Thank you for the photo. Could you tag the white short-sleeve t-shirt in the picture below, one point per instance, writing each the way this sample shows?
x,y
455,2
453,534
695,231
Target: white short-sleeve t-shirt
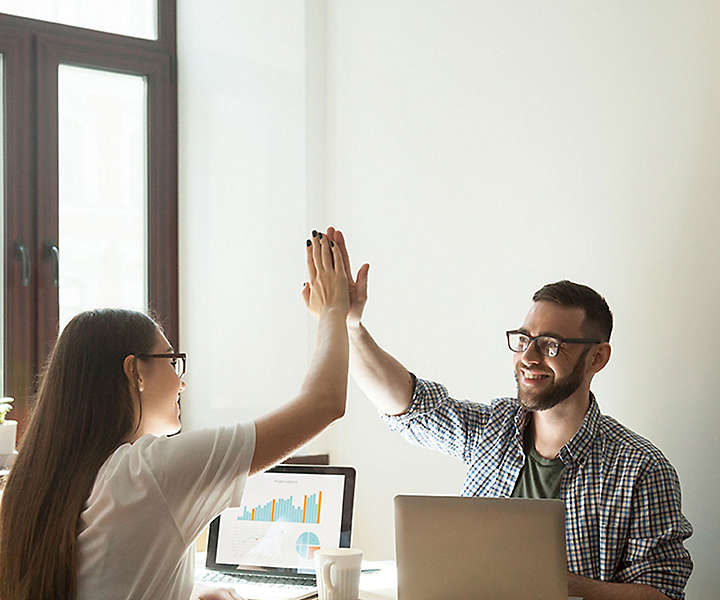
x,y
149,502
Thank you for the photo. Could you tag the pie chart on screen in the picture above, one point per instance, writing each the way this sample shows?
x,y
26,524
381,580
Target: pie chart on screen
x,y
307,544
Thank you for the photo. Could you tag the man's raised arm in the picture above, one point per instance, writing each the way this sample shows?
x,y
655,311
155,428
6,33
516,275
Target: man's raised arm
x,y
381,377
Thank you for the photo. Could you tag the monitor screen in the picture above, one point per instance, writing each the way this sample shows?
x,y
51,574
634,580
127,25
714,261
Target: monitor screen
x,y
285,515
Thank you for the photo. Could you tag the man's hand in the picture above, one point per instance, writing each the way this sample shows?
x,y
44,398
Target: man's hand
x,y
357,288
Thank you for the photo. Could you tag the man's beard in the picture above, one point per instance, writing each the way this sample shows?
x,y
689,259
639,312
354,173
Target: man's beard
x,y
559,391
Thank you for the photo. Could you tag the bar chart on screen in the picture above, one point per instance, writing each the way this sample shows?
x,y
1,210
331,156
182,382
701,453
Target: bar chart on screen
x,y
285,510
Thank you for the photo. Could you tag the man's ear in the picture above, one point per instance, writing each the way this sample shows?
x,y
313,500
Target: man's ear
x,y
132,373
601,357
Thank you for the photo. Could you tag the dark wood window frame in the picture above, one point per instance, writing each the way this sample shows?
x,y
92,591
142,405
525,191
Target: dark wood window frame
x,y
32,51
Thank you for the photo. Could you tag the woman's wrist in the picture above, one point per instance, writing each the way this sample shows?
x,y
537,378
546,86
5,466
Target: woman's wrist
x,y
333,312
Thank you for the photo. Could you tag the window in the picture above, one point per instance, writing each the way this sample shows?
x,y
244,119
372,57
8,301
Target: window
x,y
89,157
130,17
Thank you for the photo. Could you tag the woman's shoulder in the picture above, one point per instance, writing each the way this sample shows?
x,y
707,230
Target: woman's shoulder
x,y
150,454
128,462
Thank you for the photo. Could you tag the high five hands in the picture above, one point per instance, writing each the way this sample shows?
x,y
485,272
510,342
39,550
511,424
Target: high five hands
x,y
357,288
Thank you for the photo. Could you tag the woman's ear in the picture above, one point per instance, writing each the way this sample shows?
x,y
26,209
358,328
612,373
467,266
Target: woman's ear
x,y
132,373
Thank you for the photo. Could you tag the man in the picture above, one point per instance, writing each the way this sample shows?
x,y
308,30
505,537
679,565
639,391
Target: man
x,y
625,528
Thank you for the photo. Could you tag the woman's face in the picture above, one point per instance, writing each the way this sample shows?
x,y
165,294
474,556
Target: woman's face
x,y
160,389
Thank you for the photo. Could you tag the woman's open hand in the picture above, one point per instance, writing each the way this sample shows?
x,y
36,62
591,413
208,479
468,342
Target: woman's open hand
x,y
221,594
328,285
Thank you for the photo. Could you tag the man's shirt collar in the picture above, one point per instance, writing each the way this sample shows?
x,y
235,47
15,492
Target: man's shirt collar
x,y
576,450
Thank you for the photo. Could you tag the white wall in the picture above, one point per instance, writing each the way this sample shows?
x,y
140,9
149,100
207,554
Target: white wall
x,y
472,152
243,205
479,150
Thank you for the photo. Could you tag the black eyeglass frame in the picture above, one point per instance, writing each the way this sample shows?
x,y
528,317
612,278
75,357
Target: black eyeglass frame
x,y
533,340
176,355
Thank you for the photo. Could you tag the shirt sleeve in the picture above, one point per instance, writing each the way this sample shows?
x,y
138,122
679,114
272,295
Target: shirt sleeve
x,y
654,554
437,421
201,473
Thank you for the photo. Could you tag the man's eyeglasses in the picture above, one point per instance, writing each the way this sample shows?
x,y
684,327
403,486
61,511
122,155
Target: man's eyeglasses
x,y
519,341
178,360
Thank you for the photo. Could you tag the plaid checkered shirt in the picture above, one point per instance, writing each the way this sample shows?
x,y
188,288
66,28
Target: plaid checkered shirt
x,y
623,519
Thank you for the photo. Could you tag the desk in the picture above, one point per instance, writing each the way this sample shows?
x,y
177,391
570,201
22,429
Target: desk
x,y
378,585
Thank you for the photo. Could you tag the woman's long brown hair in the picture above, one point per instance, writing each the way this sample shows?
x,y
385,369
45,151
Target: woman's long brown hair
x,y
83,411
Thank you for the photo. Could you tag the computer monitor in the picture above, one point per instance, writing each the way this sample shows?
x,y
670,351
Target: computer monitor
x,y
286,514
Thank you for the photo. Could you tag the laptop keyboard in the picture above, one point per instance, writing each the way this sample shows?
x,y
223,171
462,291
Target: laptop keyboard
x,y
262,587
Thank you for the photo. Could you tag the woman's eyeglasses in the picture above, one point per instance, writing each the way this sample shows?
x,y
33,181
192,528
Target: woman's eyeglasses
x,y
178,360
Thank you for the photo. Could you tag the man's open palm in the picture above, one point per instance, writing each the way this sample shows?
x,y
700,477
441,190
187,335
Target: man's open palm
x,y
357,287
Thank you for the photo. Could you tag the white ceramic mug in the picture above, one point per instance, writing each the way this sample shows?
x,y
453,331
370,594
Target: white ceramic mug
x,y
338,573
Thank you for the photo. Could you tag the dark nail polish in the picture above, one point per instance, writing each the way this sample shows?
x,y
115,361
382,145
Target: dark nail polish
x,y
314,233
308,242
332,244
320,235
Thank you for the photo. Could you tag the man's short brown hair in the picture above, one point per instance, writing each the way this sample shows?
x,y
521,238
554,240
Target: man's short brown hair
x,y
598,321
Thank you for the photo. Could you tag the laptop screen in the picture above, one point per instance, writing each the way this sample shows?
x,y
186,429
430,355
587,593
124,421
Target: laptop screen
x,y
286,514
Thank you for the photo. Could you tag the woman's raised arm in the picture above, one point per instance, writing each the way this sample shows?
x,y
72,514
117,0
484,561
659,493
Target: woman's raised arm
x,y
323,393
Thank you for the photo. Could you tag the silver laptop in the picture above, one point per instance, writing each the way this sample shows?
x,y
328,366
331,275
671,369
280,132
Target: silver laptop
x,y
455,548
264,549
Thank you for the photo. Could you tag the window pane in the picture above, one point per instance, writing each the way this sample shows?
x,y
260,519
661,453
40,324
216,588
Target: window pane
x,y
2,221
102,141
137,18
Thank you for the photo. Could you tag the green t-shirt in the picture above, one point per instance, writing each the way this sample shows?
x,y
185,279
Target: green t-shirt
x,y
540,477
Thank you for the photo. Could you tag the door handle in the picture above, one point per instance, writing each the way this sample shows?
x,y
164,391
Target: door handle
x,y
54,255
24,255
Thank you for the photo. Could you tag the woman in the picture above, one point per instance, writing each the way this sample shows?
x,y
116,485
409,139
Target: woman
x,y
100,503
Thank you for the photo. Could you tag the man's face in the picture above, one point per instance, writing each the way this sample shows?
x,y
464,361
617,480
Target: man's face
x,y
543,381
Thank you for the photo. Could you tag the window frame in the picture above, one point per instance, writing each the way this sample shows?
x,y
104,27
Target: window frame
x,y
19,344
32,51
